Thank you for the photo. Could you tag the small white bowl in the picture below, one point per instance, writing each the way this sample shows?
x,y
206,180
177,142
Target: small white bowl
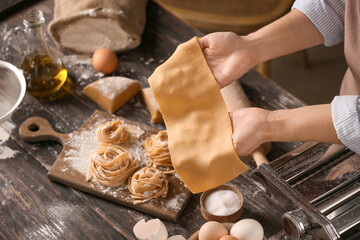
x,y
12,89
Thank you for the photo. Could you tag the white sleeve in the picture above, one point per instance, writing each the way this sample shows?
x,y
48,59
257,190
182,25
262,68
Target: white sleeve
x,y
345,112
327,16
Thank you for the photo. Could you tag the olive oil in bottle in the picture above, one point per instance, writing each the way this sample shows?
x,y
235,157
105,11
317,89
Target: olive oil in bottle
x,y
43,77
44,72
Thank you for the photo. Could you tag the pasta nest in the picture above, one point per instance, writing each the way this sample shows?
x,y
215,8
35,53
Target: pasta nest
x,y
148,183
112,132
111,165
157,150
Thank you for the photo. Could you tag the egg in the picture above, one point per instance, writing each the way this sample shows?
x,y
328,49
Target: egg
x,y
247,229
212,231
104,60
228,237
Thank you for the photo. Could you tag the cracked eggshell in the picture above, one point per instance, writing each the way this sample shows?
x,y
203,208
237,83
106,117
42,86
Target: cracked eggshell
x,y
247,229
152,230
176,237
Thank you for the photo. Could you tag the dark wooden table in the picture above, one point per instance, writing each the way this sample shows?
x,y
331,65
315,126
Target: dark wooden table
x,y
33,207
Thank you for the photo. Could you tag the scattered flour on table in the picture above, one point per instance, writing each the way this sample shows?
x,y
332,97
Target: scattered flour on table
x,y
6,152
5,132
84,68
150,60
62,211
6,40
77,59
45,231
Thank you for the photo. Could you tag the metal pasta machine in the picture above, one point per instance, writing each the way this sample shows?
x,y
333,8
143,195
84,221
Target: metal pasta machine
x,y
318,185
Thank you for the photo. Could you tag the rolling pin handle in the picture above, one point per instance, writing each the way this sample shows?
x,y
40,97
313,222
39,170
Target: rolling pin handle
x,y
259,156
37,129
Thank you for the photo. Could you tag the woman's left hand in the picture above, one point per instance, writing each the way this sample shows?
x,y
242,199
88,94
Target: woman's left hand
x,y
250,128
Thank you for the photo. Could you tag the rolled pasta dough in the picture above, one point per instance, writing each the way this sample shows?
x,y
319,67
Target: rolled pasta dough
x,y
196,118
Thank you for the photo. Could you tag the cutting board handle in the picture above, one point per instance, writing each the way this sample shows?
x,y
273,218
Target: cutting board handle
x,y
37,129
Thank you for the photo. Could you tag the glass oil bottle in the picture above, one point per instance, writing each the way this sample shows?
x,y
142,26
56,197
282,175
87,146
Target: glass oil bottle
x,y
43,71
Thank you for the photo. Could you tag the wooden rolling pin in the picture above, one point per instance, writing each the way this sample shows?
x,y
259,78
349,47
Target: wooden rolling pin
x,y
235,98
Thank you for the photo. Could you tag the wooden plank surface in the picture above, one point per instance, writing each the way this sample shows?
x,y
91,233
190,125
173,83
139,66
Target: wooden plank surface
x,y
33,207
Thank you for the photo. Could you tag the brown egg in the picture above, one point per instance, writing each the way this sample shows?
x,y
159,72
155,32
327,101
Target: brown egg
x,y
104,60
212,231
228,237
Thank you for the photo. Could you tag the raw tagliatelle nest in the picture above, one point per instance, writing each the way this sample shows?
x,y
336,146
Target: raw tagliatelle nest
x,y
157,150
148,183
113,132
111,165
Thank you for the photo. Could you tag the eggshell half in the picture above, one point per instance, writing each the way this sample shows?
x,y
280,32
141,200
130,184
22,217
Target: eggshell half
x,y
247,229
176,237
152,230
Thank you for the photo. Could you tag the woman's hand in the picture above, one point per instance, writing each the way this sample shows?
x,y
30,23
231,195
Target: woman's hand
x,y
250,128
228,55
254,126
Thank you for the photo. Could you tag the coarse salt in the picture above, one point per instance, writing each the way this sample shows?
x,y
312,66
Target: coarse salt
x,y
222,202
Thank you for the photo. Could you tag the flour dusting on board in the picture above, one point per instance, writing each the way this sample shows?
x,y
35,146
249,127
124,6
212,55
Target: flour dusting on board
x,y
176,202
83,143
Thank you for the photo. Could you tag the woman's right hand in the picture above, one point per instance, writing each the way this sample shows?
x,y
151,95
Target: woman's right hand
x,y
228,55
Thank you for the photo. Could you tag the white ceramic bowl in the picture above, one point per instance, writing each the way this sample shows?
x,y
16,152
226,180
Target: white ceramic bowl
x,y
12,89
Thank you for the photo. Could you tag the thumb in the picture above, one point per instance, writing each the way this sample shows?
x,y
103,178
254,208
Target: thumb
x,y
203,42
231,115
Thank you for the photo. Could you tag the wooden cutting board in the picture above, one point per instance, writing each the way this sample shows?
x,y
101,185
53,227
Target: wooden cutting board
x,y
71,166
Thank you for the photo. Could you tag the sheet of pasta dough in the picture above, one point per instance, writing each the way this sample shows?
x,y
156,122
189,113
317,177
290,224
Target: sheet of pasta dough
x,y
196,118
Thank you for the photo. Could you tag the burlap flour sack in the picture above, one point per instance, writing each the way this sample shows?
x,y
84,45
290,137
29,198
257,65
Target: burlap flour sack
x,y
82,26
